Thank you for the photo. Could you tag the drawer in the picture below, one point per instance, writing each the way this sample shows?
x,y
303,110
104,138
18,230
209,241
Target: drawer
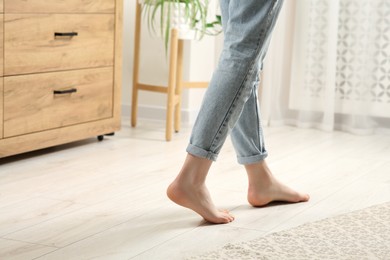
x,y
33,42
59,6
30,104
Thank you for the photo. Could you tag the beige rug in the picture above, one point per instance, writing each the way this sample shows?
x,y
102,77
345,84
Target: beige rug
x,y
363,234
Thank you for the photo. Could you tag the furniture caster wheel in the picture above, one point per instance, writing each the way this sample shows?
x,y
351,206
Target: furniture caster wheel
x,y
100,138
110,134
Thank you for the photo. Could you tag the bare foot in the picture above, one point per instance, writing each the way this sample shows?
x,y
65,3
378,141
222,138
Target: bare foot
x,y
198,199
265,188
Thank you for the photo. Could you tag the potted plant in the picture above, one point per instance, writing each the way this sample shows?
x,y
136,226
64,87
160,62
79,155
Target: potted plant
x,y
190,17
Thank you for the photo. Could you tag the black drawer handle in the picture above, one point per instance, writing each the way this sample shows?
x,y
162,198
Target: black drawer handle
x,y
68,91
68,34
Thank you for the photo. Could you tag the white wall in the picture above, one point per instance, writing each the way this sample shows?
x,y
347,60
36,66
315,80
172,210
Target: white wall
x,y
199,63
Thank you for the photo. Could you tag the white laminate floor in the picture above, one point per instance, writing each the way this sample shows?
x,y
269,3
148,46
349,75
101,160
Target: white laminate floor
x,y
106,200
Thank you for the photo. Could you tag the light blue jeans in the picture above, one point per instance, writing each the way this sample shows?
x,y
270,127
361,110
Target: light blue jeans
x,y
230,105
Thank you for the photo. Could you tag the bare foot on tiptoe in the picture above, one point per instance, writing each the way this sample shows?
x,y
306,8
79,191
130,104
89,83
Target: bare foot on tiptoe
x,y
265,188
198,199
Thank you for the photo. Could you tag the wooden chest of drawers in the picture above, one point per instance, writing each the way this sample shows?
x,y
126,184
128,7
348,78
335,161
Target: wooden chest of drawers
x,y
60,71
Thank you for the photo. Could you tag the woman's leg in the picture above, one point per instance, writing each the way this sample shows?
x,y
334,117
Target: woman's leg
x,y
248,25
248,141
247,30
247,135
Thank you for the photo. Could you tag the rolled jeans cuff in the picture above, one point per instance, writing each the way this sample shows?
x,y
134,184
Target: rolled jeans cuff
x,y
199,152
252,159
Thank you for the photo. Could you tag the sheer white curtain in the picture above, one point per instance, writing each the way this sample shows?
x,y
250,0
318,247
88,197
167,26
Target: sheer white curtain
x,y
328,66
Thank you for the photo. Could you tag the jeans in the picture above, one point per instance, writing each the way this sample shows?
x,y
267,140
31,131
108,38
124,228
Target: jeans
x,y
230,105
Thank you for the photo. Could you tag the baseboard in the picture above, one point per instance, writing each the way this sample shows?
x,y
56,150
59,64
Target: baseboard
x,y
159,113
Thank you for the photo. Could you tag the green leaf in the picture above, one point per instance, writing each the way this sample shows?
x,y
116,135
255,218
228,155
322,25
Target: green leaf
x,y
194,12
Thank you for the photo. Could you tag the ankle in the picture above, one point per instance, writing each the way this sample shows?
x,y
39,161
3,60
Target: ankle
x,y
194,171
264,179
259,173
189,181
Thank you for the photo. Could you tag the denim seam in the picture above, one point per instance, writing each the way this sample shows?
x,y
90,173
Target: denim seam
x,y
260,39
258,122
